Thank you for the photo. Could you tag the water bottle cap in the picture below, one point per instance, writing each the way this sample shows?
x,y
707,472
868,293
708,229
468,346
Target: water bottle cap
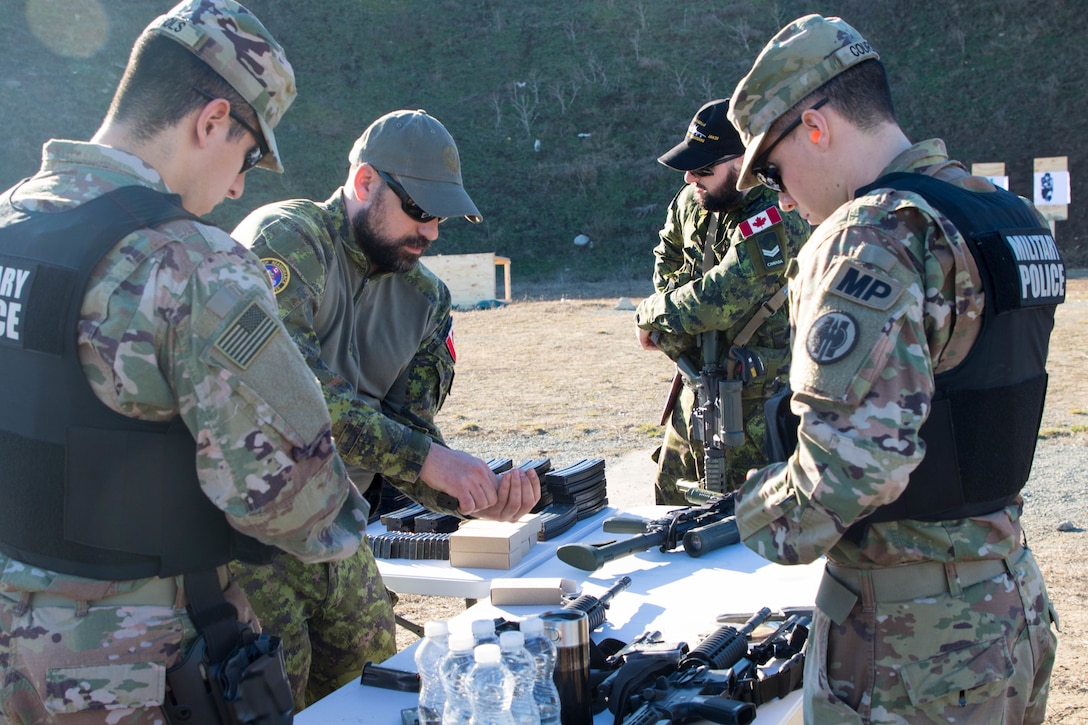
x,y
484,627
532,626
435,629
461,642
487,654
511,640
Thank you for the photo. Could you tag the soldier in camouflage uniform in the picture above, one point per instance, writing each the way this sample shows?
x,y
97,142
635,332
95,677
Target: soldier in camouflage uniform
x,y
376,329
753,242
933,611
176,324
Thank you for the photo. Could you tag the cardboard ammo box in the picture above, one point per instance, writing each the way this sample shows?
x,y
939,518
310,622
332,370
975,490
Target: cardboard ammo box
x,y
529,590
493,544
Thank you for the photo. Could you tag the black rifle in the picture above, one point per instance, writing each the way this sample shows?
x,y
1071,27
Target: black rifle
x,y
750,684
680,686
596,607
699,528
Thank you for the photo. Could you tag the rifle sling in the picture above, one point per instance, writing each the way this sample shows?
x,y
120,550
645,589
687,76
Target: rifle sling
x,y
768,308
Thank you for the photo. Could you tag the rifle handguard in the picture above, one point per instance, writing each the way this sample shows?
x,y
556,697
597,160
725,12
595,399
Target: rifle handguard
x,y
710,537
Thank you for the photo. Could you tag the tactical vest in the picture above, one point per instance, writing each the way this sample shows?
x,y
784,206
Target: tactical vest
x,y
981,432
88,491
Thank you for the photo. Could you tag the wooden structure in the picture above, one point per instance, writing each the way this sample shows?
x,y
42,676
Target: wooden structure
x,y
470,277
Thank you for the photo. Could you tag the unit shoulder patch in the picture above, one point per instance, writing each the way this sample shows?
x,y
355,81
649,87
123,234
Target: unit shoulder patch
x,y
832,337
279,274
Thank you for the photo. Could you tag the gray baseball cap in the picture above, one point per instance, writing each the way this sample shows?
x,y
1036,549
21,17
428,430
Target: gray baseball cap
x,y
234,43
803,56
419,151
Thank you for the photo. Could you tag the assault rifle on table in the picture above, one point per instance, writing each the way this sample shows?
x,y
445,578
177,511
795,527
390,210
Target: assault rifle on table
x,y
596,607
719,680
699,529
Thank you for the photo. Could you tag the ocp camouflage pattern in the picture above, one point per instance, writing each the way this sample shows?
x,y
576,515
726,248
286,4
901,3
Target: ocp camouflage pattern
x,y
858,443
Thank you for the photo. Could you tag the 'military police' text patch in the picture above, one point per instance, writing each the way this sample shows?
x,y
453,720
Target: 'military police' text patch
x,y
864,286
832,337
14,296
279,274
247,335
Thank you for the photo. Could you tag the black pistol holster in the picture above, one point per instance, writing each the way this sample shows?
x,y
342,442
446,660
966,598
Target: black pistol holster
x,y
230,675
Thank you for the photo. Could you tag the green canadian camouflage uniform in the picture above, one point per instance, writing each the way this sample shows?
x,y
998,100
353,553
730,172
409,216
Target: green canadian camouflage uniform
x,y
381,346
751,267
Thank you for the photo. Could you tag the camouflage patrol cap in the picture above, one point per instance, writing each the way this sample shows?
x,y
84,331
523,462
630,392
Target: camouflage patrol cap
x,y
803,56
419,151
234,43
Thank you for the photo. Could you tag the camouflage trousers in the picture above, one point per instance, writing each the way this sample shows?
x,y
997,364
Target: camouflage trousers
x,y
680,456
984,656
332,617
95,665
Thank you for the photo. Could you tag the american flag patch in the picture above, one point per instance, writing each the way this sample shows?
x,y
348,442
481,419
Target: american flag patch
x,y
247,336
760,222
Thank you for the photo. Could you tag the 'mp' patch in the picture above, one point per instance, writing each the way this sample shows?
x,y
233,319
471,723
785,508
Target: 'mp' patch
x,y
864,286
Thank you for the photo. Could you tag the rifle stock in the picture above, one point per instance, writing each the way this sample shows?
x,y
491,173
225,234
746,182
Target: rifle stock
x,y
591,557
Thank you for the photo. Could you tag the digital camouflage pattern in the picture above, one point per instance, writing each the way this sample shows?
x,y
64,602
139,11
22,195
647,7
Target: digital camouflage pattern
x,y
234,43
381,347
151,317
686,303
382,396
332,649
858,444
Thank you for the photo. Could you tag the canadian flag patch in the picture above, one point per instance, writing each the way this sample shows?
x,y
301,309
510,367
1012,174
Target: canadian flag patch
x,y
449,344
760,222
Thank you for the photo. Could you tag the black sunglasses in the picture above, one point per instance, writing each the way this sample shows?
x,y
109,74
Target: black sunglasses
x,y
255,154
767,173
407,204
705,171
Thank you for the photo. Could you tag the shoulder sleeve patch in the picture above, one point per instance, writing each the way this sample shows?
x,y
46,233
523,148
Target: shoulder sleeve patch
x,y
247,335
761,221
279,274
865,286
832,337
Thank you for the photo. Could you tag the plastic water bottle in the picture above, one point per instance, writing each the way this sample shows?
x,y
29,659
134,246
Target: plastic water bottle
x,y
483,632
455,669
491,688
542,650
523,667
429,655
